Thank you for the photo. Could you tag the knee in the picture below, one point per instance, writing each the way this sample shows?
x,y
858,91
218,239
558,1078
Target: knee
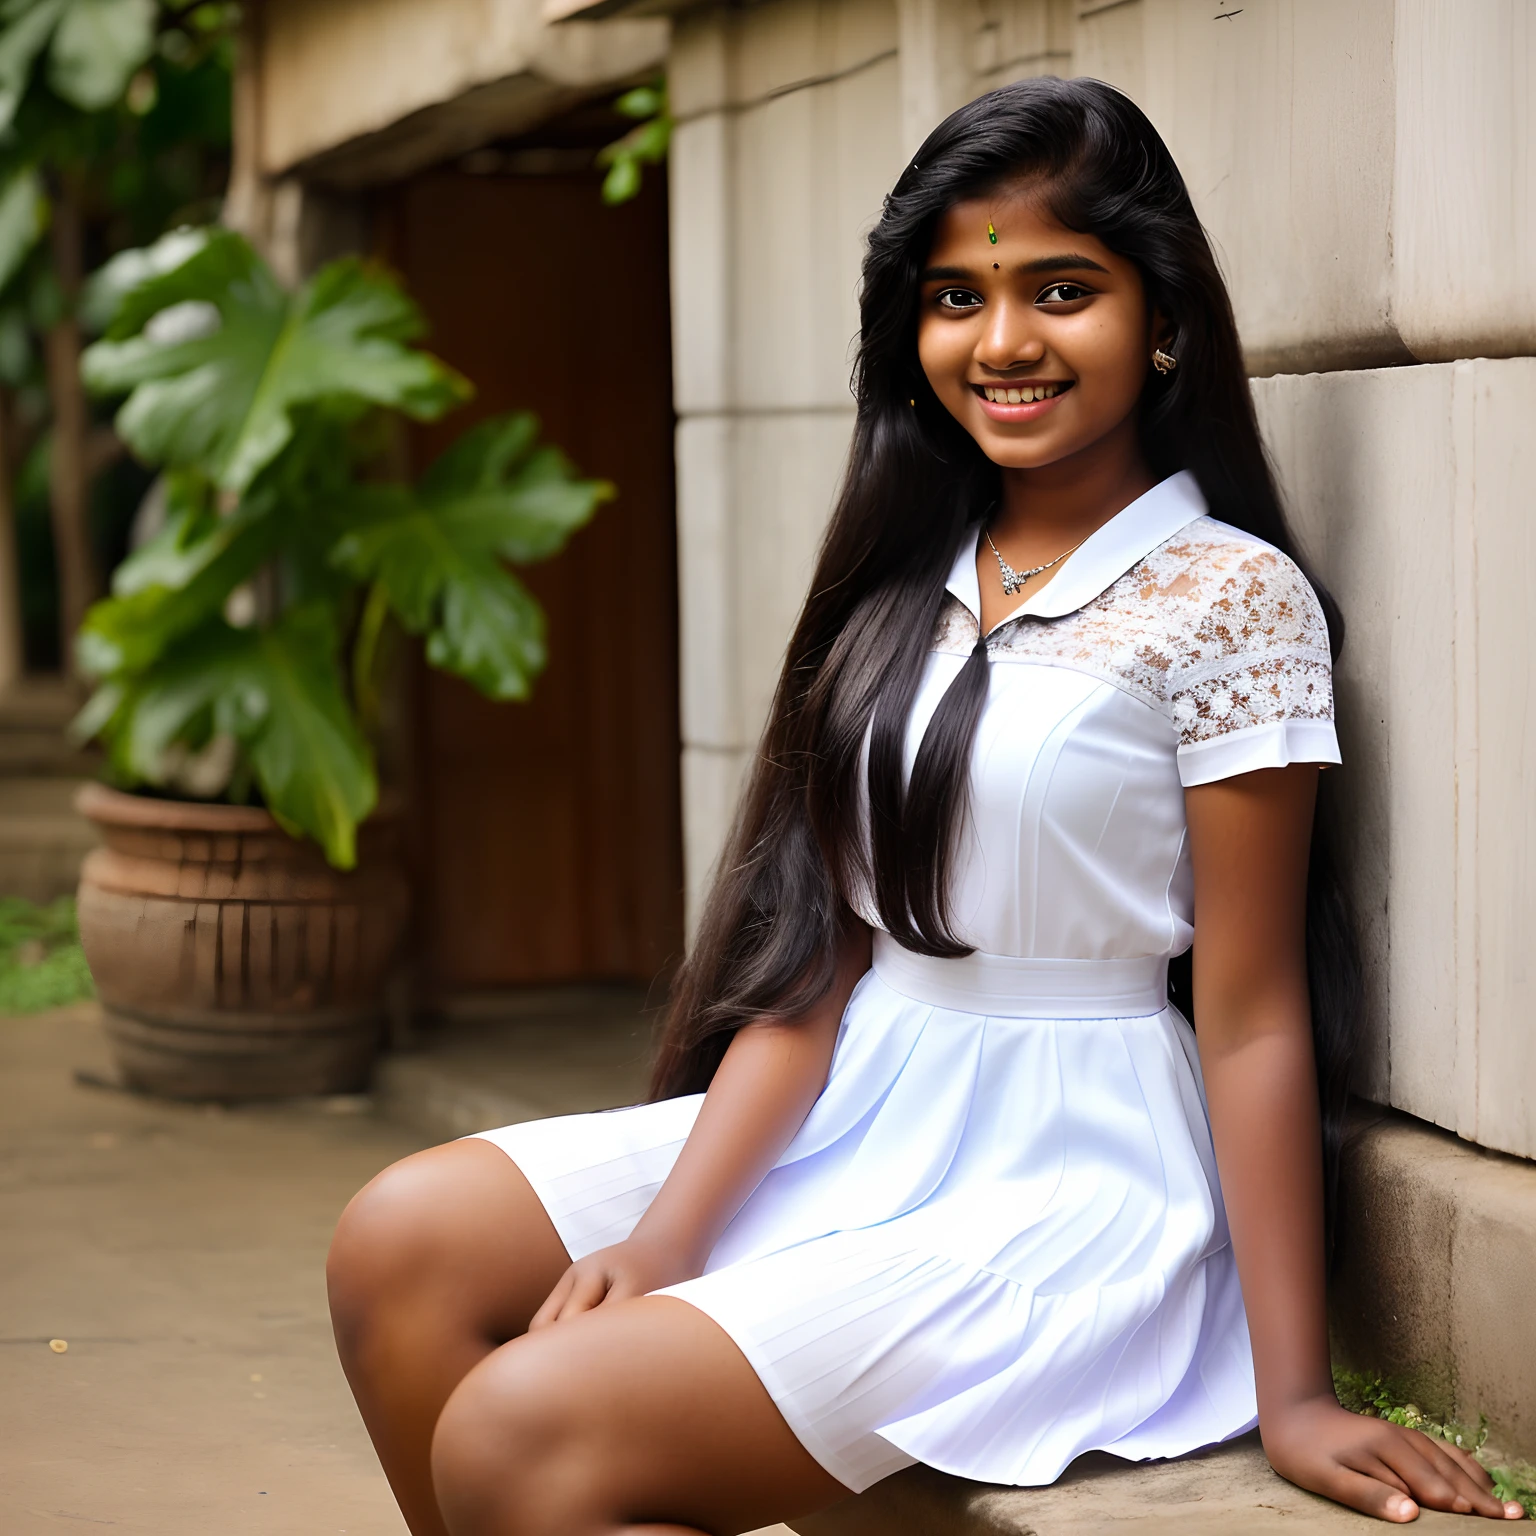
x,y
509,1454
385,1240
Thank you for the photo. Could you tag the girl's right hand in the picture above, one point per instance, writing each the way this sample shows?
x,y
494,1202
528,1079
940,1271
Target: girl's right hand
x,y
631,1268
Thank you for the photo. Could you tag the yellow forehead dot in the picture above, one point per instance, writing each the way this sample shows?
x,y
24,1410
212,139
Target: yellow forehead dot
x,y
991,233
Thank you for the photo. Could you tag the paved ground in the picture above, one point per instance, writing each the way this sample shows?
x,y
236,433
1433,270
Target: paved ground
x,y
178,1251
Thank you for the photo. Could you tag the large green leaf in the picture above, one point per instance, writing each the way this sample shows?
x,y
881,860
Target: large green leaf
x,y
112,282
174,584
217,358
97,48
25,27
278,693
437,553
23,218
94,47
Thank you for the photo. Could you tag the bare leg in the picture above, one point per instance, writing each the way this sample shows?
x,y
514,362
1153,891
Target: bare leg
x,y
640,1418
441,1258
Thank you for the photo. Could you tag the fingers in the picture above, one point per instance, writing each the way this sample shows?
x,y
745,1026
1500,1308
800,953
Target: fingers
x,y
1471,1482
550,1311
1437,1479
583,1286
1372,1496
588,1291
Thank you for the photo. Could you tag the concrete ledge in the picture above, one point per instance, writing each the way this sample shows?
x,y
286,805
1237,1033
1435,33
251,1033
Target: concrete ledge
x,y
1228,1490
501,1060
1435,1286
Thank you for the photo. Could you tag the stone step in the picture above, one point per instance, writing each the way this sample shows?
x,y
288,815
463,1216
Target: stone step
x,y
42,837
1227,1490
34,719
505,1058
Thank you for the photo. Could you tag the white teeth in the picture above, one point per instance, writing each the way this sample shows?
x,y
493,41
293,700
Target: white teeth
x,y
1022,394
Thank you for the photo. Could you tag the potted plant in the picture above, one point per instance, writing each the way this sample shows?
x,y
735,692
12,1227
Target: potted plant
x,y
239,929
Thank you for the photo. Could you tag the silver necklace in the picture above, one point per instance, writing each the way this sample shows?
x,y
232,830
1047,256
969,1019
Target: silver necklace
x,y
1013,581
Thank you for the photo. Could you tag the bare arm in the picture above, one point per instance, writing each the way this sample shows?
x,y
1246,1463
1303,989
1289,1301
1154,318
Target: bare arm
x,y
1249,838
771,1076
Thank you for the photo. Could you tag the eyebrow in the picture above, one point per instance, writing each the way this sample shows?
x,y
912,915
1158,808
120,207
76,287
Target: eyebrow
x,y
1070,261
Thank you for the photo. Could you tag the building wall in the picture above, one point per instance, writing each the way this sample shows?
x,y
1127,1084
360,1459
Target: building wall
x,y
1366,174
788,137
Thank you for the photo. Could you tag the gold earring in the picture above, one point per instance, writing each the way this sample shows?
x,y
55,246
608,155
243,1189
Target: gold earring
x,y
1164,362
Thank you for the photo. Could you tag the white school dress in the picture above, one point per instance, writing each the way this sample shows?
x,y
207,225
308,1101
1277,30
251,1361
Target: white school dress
x,y
998,1240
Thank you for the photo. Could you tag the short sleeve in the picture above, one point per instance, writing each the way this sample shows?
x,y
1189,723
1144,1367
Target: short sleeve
x,y
1254,687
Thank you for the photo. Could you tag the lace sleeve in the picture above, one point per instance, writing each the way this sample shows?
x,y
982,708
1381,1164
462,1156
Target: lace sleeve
x,y
1254,687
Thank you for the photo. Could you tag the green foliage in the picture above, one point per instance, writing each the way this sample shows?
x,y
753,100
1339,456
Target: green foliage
x,y
257,403
276,691
91,47
218,357
436,552
1377,1397
41,962
644,145
23,218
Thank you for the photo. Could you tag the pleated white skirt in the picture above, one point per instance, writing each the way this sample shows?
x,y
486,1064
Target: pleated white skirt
x,y
996,1243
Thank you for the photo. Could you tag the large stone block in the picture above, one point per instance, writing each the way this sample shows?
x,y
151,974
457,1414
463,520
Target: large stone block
x,y
787,472
1437,1248
712,782
952,50
1410,492
811,169
700,183
787,143
754,492
1464,178
790,45
706,570
1354,164
1021,38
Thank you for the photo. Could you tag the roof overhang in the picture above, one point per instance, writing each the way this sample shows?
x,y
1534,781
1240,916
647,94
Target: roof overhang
x,y
601,10
358,92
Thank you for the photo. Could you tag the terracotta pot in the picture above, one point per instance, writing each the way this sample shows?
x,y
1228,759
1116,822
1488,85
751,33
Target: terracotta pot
x,y
231,960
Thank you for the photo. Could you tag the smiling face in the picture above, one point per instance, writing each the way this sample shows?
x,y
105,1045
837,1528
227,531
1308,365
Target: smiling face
x,y
1039,344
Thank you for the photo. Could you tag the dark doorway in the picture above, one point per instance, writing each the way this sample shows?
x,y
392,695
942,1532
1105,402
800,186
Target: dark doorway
x,y
549,833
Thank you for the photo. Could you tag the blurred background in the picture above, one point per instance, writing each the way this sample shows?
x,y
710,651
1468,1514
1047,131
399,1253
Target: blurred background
x,y
417,418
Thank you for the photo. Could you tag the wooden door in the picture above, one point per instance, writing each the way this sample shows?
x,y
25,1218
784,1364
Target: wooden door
x,y
548,833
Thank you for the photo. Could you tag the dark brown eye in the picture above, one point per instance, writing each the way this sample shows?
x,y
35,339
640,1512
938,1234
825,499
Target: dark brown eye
x,y
959,298
1063,293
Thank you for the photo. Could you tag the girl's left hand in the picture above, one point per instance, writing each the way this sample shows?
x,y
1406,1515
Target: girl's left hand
x,y
1377,1467
632,1268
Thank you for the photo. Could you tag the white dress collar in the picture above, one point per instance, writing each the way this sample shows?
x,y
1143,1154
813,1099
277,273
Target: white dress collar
x,y
1103,557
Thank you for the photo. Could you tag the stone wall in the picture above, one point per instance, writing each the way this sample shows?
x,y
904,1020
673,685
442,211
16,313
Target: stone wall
x,y
1366,173
1412,490
788,137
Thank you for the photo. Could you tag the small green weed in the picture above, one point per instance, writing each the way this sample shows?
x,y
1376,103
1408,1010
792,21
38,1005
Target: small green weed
x,y
1378,1398
41,962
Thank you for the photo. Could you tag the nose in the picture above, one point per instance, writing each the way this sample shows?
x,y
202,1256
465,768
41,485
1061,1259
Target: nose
x,y
1009,339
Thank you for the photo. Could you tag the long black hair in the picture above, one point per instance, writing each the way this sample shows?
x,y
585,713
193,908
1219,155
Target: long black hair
x,y
915,482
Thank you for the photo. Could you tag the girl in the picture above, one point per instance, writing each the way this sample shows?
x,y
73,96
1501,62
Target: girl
x,y
931,1170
